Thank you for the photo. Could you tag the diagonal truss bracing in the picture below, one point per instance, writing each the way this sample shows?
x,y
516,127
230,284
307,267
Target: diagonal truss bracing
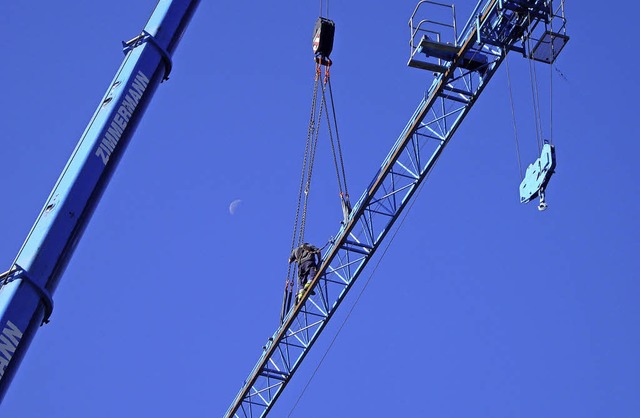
x,y
450,97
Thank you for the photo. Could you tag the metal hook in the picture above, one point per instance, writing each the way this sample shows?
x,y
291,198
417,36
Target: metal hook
x,y
543,205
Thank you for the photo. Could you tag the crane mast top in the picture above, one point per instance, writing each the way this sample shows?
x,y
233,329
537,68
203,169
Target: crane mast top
x,y
463,62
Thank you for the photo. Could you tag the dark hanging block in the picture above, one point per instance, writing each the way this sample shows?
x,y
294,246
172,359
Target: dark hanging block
x,y
323,37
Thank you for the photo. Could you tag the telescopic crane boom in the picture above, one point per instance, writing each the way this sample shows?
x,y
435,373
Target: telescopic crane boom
x,y
26,289
462,65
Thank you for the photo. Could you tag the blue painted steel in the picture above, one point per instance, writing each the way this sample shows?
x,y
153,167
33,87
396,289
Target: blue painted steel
x,y
451,95
25,292
538,174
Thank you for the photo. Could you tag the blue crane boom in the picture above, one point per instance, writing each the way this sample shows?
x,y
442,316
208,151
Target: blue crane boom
x,y
26,289
463,67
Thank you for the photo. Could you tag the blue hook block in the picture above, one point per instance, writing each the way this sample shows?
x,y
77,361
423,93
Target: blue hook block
x,y
538,174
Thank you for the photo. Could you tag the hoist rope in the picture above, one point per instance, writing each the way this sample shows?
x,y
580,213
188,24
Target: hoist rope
x,y
295,239
313,134
326,8
335,121
333,148
534,91
536,104
312,155
337,156
551,103
551,76
513,116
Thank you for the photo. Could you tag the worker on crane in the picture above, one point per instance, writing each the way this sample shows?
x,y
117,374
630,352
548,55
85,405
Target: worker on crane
x,y
305,255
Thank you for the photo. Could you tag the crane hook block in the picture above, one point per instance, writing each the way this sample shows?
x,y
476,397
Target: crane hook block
x,y
538,174
323,38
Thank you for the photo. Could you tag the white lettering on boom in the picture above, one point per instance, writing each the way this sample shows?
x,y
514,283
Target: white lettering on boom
x,y
9,340
121,117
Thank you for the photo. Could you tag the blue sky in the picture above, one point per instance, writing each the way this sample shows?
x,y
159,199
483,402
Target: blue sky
x,y
481,306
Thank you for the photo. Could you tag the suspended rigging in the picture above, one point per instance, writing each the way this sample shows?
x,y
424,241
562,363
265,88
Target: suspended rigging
x,y
322,109
536,178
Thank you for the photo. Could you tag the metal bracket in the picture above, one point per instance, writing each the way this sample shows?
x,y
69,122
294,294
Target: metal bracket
x,y
20,274
147,37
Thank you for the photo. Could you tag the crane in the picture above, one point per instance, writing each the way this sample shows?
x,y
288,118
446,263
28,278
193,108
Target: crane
x,y
463,62
26,289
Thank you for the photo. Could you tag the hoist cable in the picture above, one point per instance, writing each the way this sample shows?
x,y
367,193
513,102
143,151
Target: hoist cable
x,y
300,221
305,162
534,92
336,147
312,153
551,103
513,116
332,142
553,53
325,8
536,105
335,122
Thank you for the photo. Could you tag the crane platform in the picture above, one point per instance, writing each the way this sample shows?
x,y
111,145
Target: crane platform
x,y
472,60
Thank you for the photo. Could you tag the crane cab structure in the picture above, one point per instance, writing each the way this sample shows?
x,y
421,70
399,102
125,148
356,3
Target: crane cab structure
x,y
435,44
532,28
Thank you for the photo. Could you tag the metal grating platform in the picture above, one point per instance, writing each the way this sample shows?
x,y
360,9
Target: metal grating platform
x,y
548,47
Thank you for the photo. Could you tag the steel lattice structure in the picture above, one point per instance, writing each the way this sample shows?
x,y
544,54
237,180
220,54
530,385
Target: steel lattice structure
x,y
463,69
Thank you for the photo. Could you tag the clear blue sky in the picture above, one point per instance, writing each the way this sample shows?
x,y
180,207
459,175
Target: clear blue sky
x,y
481,307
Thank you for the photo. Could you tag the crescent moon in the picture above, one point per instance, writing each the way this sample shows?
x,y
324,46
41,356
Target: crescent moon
x,y
233,207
